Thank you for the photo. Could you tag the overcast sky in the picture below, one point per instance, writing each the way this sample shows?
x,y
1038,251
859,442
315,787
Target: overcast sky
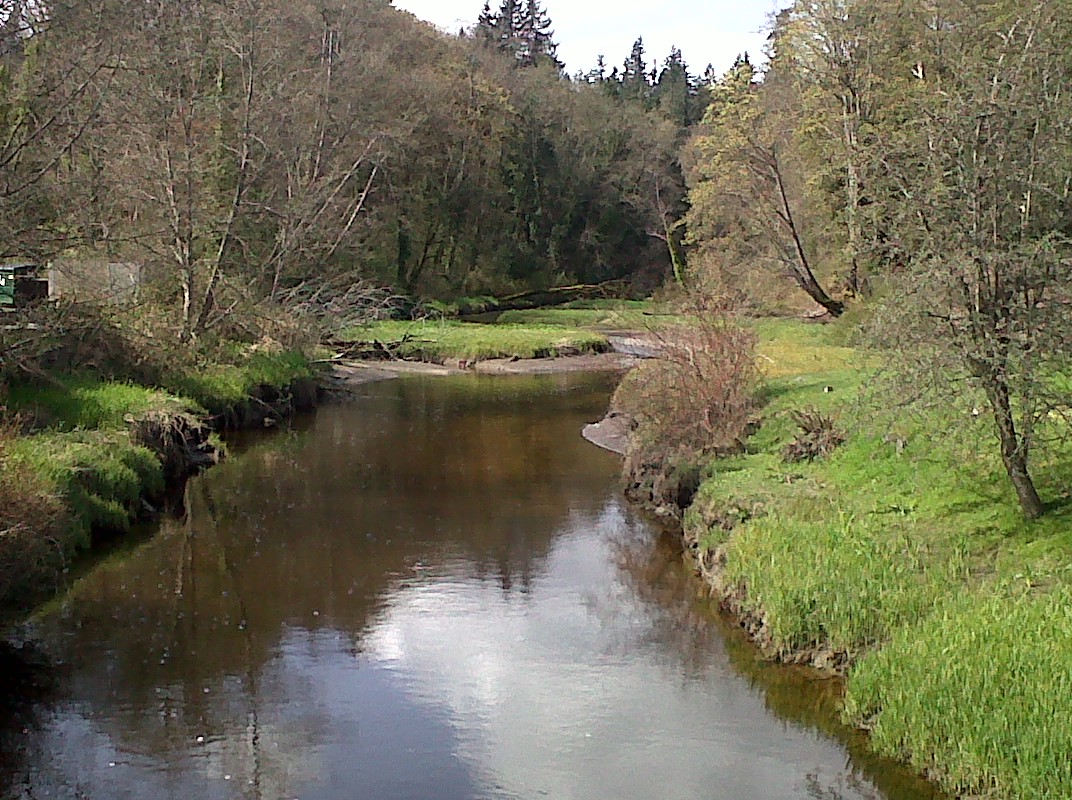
x,y
707,31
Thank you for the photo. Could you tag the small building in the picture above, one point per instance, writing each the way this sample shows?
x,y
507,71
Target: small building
x,y
21,284
94,279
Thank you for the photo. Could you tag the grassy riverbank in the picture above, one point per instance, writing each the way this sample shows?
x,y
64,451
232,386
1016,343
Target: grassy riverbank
x,y
82,456
902,558
439,341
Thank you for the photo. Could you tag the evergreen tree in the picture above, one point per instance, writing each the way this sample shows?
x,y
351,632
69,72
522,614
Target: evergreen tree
x,y
672,89
522,30
635,86
597,75
486,23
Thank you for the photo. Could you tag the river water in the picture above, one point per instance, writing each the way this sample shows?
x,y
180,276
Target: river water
x,y
433,593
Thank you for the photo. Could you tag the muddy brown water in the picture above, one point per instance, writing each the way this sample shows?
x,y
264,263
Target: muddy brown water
x,y
435,592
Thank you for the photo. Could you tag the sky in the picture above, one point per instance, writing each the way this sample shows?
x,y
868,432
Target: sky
x,y
706,31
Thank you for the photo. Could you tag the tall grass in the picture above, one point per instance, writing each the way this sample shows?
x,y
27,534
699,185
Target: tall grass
x,y
34,547
979,694
828,579
100,476
221,387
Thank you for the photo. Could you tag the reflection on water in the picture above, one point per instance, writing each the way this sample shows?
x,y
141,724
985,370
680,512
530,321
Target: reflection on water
x,y
435,592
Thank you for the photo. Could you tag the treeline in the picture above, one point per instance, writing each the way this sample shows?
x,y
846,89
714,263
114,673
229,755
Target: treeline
x,y
916,155
238,148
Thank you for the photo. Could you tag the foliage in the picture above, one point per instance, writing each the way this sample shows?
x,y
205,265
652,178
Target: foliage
x,y
744,184
985,288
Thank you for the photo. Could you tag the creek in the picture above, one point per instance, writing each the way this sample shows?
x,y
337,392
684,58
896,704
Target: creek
x,y
435,592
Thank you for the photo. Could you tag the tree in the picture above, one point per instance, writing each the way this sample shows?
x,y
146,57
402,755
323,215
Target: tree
x,y
672,90
982,175
745,190
57,65
536,37
522,30
634,77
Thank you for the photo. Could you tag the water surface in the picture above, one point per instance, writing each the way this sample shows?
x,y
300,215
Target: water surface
x,y
434,593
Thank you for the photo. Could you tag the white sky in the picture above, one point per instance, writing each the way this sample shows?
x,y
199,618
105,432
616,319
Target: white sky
x,y
706,31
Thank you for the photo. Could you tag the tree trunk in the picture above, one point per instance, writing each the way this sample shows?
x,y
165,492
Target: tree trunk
x,y
800,268
1013,450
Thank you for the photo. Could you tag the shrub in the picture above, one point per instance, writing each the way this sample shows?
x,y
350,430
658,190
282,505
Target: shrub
x,y
817,438
697,397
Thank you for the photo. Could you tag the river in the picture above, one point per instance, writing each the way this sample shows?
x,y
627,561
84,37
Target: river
x,y
435,592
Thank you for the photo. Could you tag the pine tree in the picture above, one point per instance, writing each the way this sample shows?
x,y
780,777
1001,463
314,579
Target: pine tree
x,y
536,39
635,85
672,89
597,75
486,23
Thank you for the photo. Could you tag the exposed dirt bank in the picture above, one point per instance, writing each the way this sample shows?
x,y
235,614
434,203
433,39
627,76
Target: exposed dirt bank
x,y
345,375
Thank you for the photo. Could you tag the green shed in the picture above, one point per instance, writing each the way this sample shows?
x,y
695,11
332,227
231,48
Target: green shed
x,y
20,283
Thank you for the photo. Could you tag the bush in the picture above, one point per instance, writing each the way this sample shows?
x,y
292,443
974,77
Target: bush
x,y
697,397
817,438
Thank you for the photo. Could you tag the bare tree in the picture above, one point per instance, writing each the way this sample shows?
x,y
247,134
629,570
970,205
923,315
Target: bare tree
x,y
57,64
241,154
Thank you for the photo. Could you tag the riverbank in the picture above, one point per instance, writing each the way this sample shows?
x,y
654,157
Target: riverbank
x,y
899,561
83,458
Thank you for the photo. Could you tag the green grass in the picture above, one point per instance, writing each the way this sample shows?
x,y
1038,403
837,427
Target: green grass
x,y
906,550
100,475
631,315
219,388
438,341
82,402
978,693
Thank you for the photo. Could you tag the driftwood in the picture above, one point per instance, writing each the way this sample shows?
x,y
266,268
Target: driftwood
x,y
541,298
369,349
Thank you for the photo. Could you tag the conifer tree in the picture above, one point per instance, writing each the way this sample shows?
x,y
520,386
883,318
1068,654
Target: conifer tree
x,y
535,35
486,23
635,86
